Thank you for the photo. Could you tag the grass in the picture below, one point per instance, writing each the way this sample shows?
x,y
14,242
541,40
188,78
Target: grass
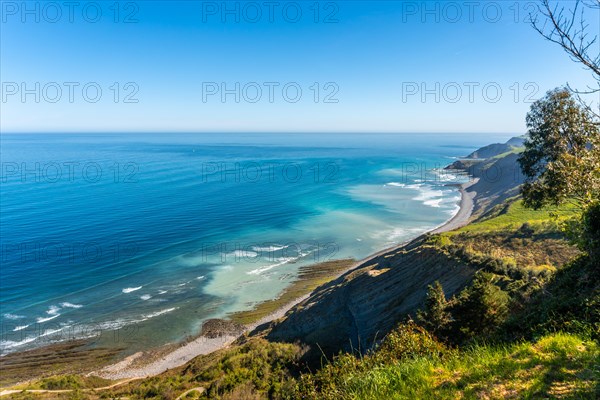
x,y
63,382
556,366
516,237
409,364
309,278
514,150
515,214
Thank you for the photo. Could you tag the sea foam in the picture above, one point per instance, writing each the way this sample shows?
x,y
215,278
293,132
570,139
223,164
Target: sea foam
x,y
271,266
20,328
131,289
66,304
41,320
12,316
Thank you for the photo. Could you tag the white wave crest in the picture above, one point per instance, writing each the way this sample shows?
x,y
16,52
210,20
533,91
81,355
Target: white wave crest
x,y
20,328
41,320
243,253
395,184
433,203
66,304
131,289
268,267
269,249
53,310
157,313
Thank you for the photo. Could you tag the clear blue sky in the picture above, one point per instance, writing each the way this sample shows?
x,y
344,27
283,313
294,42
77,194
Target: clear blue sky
x,y
378,56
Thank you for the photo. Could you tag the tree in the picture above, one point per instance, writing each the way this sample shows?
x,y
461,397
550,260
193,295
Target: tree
x,y
570,30
435,317
482,307
580,175
561,161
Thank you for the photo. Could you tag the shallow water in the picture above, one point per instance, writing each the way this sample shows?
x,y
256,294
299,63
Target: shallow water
x,y
150,234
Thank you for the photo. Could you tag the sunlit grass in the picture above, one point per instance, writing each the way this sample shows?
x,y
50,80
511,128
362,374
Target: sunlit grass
x,y
516,214
556,366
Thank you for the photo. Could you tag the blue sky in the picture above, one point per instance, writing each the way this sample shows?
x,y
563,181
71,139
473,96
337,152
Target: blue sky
x,y
360,66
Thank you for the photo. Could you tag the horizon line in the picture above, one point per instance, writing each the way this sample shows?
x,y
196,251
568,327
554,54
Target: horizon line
x,y
254,132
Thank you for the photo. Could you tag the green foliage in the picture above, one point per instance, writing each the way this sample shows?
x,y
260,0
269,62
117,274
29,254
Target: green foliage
x,y
562,152
259,363
159,388
569,302
62,382
557,365
585,232
435,316
481,308
405,343
256,368
439,240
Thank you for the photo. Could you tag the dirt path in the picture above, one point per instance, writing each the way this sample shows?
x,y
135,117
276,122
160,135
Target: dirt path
x,y
199,389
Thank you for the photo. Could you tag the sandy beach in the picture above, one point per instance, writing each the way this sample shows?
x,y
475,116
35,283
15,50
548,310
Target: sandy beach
x,y
130,368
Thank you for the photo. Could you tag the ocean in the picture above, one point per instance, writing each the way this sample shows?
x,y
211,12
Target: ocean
x,y
142,237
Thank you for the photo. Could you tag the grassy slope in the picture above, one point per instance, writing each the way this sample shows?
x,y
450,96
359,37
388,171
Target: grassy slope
x,y
409,365
513,215
556,366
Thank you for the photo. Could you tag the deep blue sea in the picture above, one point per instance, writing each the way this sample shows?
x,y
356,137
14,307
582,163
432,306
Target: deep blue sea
x,y
148,235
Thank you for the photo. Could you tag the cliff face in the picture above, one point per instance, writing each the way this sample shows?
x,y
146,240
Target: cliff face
x,y
499,180
364,304
499,175
492,150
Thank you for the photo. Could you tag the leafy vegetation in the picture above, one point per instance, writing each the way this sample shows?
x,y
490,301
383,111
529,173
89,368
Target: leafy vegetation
x,y
555,366
562,152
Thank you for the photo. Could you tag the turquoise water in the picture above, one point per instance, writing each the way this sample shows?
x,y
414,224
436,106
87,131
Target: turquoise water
x,y
141,237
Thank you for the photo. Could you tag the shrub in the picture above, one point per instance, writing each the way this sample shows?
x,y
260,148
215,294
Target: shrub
x,y
481,308
435,317
62,382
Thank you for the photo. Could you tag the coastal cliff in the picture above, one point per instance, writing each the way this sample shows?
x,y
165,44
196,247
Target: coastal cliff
x,y
364,304
497,173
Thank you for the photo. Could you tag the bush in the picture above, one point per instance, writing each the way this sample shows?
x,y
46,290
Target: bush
x,y
406,342
258,367
481,308
526,230
62,382
435,317
569,302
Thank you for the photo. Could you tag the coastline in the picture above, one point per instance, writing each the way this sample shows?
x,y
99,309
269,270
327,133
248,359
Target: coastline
x,y
201,345
160,359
